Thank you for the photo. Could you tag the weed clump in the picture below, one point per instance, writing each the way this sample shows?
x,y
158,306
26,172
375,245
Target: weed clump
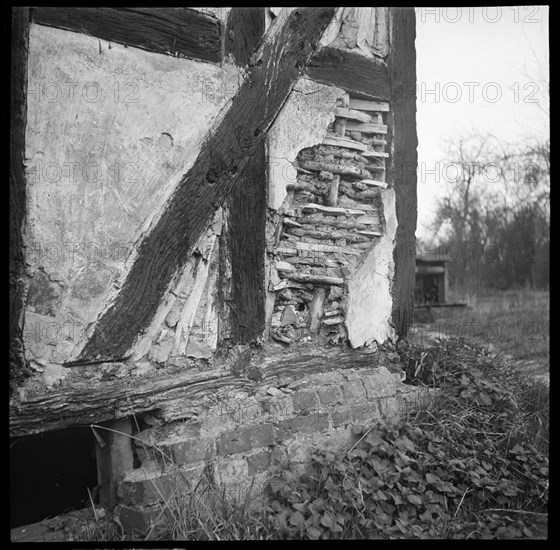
x,y
472,464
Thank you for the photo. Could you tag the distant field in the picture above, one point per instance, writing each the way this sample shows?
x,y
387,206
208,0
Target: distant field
x,y
515,322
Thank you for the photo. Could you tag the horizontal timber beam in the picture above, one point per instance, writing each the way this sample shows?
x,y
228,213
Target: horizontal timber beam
x,y
175,392
359,75
180,32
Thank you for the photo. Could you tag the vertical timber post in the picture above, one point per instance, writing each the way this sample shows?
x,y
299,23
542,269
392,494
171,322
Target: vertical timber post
x,y
402,70
18,119
242,246
114,456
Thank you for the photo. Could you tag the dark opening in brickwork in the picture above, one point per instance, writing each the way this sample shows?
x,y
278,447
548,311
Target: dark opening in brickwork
x,y
50,474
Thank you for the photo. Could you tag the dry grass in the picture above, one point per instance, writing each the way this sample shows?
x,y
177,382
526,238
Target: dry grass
x,y
205,510
514,322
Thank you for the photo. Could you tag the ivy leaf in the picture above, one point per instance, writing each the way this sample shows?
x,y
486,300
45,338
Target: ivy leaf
x,y
408,444
432,478
314,532
276,484
414,499
297,519
374,438
485,398
327,520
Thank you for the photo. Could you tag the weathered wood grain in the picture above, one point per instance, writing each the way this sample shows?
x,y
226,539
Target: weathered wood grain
x,y
321,279
316,309
369,105
174,392
351,114
243,244
113,458
345,142
366,127
190,307
402,172
342,169
18,193
314,248
332,198
244,241
359,75
181,32
280,60
82,400
244,31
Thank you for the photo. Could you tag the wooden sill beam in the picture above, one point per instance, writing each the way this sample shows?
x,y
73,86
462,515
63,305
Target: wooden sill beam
x,y
180,32
175,391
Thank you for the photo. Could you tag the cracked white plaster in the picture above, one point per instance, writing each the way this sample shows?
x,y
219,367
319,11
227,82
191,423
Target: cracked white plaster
x,y
360,30
110,132
370,300
302,122
53,374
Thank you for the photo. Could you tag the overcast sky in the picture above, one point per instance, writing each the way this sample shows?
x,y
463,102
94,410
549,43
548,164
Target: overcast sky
x,y
478,69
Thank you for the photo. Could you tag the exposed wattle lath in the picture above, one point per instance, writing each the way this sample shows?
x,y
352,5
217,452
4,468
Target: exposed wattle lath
x,y
330,219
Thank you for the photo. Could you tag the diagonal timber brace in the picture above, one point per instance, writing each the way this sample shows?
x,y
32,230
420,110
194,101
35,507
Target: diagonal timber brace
x,y
280,60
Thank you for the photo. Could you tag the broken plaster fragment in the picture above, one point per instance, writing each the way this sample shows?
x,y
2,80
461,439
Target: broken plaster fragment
x,y
53,374
217,223
289,317
371,344
198,350
142,367
284,266
173,318
39,365
277,335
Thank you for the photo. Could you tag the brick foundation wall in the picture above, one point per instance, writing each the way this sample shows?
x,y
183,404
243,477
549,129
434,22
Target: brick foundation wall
x,y
233,442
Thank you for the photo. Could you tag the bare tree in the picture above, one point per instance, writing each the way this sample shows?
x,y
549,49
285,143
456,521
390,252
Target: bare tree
x,y
499,197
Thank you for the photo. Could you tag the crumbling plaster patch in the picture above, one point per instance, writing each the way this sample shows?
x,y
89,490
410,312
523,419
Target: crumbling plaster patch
x,y
110,131
369,288
189,297
302,122
360,30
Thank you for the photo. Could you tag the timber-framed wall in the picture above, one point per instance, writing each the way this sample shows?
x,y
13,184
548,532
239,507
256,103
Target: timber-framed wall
x,y
273,211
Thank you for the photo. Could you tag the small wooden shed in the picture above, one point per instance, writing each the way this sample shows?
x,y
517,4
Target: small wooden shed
x,y
432,281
